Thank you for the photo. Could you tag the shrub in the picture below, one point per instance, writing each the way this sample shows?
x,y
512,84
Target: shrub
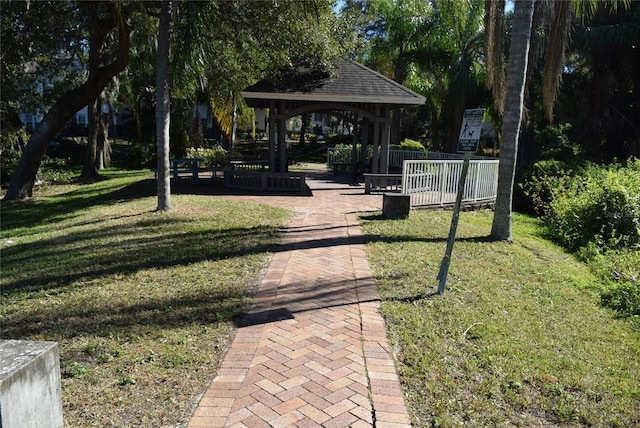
x,y
413,145
554,143
543,179
594,211
623,297
215,156
337,140
142,154
600,205
10,152
619,271
9,158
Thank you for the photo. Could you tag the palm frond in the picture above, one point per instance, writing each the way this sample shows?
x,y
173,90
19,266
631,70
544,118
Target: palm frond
x,y
555,54
223,109
494,51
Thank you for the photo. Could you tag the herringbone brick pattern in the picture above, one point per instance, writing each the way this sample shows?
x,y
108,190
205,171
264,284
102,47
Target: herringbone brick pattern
x,y
312,352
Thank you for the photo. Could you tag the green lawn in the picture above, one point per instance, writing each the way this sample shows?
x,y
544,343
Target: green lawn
x,y
141,303
518,338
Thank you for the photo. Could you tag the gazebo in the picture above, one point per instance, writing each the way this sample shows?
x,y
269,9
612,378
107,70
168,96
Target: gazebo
x,y
351,87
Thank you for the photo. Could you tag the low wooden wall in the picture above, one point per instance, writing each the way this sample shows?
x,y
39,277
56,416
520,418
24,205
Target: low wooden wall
x,y
290,182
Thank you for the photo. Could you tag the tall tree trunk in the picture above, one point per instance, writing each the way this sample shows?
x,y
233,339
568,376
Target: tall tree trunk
x,y
90,167
163,107
516,80
94,110
103,157
22,181
234,121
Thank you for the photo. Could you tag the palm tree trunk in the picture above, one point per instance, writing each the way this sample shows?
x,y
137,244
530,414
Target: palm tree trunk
x,y
516,80
163,109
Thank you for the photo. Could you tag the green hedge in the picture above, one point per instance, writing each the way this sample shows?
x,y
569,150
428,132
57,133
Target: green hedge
x,y
215,156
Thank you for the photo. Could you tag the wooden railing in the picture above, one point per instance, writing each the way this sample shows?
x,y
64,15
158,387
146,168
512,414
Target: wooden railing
x,y
435,182
294,182
250,165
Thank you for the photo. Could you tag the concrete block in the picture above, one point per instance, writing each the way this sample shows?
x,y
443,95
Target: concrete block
x,y
30,391
396,205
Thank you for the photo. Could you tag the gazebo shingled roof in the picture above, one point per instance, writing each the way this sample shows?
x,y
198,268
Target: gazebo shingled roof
x,y
351,83
351,87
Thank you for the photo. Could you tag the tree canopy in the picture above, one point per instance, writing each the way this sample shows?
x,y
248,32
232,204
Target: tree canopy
x,y
434,47
218,48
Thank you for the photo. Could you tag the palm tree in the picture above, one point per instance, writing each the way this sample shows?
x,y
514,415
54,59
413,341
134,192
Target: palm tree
x,y
163,108
514,97
400,40
462,22
557,34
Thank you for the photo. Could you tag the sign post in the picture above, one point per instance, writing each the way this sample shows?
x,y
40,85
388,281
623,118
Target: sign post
x,y
467,144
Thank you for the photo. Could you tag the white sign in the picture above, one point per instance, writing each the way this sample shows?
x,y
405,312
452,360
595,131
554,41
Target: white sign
x,y
470,130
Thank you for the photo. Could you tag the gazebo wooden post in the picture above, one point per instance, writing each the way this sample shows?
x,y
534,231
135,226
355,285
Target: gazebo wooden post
x,y
282,136
272,136
386,139
364,140
354,148
376,141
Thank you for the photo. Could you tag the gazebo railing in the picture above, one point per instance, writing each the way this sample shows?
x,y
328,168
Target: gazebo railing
x,y
435,182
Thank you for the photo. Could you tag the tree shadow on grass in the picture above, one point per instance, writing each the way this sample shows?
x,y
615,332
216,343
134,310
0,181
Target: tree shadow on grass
x,y
45,211
106,319
124,250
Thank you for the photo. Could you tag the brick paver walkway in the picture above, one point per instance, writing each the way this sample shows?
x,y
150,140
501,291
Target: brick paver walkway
x,y
312,352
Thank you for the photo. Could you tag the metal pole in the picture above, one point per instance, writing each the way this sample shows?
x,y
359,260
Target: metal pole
x,y
446,260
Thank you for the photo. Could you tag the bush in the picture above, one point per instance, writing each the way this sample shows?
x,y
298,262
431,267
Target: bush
x,y
623,297
56,170
554,143
619,271
215,156
600,205
411,145
10,152
337,140
594,211
142,154
8,162
543,179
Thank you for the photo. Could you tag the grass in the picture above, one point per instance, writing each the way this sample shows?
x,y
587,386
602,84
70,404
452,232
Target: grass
x,y
519,338
141,303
